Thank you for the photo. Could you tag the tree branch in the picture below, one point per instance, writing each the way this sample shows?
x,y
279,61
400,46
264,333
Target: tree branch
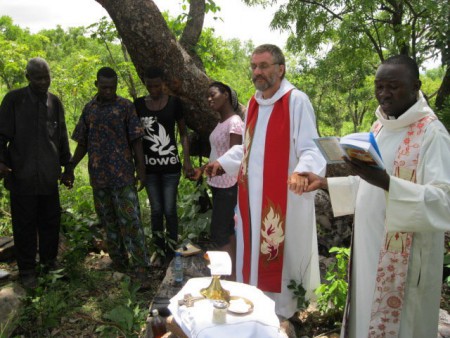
x,y
193,30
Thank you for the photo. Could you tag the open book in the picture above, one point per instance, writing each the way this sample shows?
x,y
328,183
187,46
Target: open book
x,y
361,146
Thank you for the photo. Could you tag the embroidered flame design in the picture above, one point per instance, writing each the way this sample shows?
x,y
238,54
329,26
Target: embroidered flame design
x,y
247,142
272,234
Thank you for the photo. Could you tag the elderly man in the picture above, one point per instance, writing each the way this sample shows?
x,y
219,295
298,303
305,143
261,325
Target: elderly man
x,y
276,229
401,214
33,147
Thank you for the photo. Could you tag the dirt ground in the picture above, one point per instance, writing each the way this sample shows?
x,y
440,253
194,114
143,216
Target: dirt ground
x,y
86,320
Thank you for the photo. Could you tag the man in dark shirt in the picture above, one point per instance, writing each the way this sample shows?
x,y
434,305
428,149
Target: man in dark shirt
x,y
110,132
33,147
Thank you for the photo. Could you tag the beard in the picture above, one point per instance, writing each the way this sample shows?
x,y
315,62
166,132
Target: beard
x,y
268,82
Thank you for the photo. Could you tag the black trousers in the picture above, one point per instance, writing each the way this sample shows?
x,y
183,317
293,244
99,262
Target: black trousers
x,y
35,218
222,218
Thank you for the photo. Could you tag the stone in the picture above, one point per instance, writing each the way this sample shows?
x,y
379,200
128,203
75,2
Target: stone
x,y
4,274
6,249
10,303
444,324
193,266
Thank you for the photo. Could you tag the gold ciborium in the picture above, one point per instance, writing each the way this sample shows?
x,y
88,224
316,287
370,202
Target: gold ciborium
x,y
215,290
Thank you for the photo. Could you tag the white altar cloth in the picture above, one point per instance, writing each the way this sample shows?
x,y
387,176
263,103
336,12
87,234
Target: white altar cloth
x,y
196,321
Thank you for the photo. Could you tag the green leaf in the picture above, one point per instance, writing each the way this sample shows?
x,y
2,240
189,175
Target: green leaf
x,y
122,316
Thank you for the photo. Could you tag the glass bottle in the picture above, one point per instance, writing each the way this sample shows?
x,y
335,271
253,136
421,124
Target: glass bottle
x,y
158,324
219,311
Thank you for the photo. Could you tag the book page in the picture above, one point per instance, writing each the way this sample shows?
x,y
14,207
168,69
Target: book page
x,y
362,146
330,148
360,154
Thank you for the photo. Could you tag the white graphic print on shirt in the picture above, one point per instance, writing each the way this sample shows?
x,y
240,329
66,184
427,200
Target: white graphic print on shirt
x,y
160,143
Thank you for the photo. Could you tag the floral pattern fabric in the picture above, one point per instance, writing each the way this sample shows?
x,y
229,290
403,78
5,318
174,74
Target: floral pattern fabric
x,y
220,143
394,256
119,213
107,130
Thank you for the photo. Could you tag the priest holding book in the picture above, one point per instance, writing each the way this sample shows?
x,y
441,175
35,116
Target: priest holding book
x,y
401,213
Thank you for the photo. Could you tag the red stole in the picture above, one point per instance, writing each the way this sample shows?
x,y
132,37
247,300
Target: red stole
x,y
395,253
274,199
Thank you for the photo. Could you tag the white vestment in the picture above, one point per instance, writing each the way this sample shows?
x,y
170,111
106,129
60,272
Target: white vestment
x,y
300,250
422,208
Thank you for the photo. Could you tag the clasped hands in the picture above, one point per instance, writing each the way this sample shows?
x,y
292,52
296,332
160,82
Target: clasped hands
x,y
210,169
297,183
312,182
4,170
67,177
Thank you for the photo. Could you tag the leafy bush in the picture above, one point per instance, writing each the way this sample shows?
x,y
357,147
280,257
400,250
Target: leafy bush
x,y
193,225
299,293
126,318
5,213
447,265
332,295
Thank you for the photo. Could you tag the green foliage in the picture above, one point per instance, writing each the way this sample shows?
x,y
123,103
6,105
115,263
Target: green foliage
x,y
5,213
344,41
57,300
332,294
444,114
299,293
193,225
228,62
47,303
225,61
127,317
447,264
341,90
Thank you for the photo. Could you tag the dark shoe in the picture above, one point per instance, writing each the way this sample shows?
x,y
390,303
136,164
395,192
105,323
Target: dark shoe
x,y
29,281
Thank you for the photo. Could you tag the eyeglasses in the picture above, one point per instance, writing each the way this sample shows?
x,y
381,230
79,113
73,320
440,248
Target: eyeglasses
x,y
262,66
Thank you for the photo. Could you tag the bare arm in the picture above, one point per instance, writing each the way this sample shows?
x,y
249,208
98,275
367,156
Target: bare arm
x,y
138,154
68,177
235,139
300,183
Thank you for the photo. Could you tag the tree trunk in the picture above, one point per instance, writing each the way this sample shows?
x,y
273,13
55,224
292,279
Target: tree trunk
x,y
193,30
443,94
150,43
444,91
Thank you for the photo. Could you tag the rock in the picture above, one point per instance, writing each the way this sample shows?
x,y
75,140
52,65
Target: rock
x,y
337,170
193,266
4,274
118,276
444,324
288,328
9,307
6,249
332,231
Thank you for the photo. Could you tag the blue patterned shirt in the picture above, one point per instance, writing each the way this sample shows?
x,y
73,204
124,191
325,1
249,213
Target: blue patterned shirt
x,y
107,131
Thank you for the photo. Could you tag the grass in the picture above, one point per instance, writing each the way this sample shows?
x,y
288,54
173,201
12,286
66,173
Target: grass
x,y
86,300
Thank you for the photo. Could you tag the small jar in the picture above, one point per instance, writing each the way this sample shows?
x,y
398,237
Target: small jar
x,y
219,311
